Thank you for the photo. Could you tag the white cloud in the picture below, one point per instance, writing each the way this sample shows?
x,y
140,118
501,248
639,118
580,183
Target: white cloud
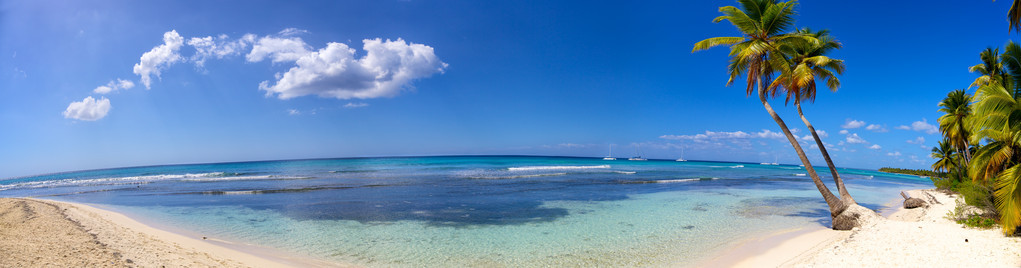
x,y
843,132
822,134
919,140
853,124
355,105
903,127
924,126
766,134
386,69
709,135
854,139
809,138
292,31
876,128
875,147
218,47
114,85
293,112
894,153
160,57
279,49
88,109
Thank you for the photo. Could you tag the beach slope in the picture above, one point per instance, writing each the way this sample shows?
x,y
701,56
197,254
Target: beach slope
x,y
921,237
43,233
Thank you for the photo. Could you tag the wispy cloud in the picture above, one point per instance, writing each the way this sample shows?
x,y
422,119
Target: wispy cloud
x,y
876,128
921,126
351,105
114,85
855,139
853,124
716,135
875,147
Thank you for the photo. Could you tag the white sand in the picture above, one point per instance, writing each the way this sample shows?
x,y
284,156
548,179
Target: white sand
x,y
920,237
60,234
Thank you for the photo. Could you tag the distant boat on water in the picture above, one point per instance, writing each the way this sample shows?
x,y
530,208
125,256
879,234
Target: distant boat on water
x,y
681,159
609,155
637,157
771,164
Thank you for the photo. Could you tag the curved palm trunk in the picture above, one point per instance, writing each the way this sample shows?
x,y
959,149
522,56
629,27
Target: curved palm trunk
x,y
836,207
844,195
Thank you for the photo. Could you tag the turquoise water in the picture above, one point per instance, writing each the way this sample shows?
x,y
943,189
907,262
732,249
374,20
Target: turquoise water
x,y
486,211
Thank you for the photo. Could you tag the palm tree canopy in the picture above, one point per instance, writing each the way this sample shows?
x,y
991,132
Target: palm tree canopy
x,y
944,155
809,63
763,24
998,120
953,124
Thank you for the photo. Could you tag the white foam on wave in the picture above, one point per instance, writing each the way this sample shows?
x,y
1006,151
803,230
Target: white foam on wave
x,y
531,168
145,179
625,172
683,180
737,166
520,176
799,174
241,178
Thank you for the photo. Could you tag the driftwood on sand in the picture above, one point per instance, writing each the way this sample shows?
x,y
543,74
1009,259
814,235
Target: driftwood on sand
x,y
911,202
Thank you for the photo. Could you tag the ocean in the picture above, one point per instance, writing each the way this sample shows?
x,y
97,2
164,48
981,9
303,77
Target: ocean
x,y
458,211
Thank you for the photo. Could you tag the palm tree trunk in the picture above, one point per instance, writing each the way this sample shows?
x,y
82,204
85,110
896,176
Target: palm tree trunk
x,y
844,195
836,207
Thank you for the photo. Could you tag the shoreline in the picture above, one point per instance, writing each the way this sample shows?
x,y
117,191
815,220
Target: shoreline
x,y
907,237
53,234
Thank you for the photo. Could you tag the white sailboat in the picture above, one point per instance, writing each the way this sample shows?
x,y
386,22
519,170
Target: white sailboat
x,y
609,155
681,159
771,164
637,157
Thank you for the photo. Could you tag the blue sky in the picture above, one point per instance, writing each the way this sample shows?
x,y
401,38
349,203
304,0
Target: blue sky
x,y
260,80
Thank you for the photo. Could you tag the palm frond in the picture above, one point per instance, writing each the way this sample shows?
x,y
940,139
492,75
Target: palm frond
x,y
1008,198
716,41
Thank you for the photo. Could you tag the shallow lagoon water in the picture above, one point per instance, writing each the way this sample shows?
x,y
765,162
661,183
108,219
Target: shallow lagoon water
x,y
474,210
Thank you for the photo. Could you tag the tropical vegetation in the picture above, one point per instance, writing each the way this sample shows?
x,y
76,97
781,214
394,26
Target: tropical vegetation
x,y
797,59
916,172
981,146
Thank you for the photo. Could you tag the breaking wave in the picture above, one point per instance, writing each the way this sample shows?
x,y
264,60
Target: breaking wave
x,y
531,168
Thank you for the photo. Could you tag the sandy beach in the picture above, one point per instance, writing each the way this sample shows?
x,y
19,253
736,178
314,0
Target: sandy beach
x,y
920,237
44,233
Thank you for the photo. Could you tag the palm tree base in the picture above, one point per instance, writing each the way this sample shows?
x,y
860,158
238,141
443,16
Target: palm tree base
x,y
855,216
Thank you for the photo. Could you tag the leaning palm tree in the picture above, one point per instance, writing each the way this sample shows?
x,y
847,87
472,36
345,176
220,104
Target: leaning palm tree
x,y
998,120
957,106
809,63
763,24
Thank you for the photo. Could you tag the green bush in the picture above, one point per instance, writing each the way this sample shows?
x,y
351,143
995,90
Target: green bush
x,y
976,194
978,222
947,184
